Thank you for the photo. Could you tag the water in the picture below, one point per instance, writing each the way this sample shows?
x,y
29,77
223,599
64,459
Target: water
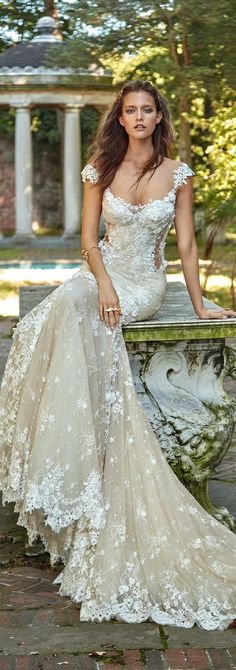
x,y
43,265
36,272
22,273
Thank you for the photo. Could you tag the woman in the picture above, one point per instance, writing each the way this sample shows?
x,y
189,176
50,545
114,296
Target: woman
x,y
79,456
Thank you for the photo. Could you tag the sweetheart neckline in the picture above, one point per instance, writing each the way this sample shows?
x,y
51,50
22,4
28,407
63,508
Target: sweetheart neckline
x,y
140,205
151,200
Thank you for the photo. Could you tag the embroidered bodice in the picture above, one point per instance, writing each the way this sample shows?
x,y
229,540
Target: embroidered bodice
x,y
136,234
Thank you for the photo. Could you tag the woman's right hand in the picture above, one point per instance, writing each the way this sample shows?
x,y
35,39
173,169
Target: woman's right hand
x,y
107,297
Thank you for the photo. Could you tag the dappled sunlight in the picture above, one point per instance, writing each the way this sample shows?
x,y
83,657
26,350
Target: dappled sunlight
x,y
9,306
218,282
36,275
11,278
232,236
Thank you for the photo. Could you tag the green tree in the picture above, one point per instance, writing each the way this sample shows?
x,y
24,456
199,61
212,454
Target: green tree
x,y
189,45
217,171
183,47
19,17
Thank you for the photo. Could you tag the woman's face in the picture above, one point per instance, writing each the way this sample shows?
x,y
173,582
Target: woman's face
x,y
139,114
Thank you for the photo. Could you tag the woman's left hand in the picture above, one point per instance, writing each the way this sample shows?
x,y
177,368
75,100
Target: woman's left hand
x,y
216,314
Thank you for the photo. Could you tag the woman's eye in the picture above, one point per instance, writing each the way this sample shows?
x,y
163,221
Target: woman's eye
x,y
147,109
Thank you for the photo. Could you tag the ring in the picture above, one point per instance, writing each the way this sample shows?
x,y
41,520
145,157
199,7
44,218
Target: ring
x,y
112,309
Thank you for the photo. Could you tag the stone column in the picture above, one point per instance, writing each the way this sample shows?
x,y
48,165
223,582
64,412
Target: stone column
x,y
72,167
23,174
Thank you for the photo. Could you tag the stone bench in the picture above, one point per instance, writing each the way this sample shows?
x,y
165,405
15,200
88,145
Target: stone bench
x,y
179,364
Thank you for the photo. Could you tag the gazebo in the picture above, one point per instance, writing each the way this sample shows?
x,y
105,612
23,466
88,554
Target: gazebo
x,y
27,81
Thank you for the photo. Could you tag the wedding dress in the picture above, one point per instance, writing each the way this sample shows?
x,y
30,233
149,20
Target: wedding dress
x,y
80,459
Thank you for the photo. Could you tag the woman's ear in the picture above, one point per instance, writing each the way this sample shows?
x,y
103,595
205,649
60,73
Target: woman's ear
x,y
121,120
159,117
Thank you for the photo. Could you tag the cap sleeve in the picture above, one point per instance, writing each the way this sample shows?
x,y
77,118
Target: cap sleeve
x,y
181,173
89,173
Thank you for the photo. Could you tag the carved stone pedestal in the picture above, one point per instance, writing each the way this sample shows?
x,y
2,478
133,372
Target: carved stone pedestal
x,y
180,385
179,363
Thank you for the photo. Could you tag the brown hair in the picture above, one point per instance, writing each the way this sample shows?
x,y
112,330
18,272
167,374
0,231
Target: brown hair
x,y
111,142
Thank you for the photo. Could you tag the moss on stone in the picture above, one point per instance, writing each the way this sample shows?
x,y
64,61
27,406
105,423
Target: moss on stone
x,y
171,332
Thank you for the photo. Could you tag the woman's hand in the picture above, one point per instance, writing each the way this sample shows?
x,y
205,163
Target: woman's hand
x,y
107,297
215,313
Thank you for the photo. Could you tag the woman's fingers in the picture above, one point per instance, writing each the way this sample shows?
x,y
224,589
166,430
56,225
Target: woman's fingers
x,y
224,314
108,304
217,314
106,315
221,314
101,313
110,317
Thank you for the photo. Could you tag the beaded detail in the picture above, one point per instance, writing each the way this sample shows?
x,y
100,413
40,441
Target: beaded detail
x,y
89,173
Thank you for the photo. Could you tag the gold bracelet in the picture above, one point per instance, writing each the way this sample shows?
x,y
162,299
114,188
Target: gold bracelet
x,y
85,252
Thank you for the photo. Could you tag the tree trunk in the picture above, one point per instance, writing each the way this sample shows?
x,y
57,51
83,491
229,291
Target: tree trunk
x,y
184,131
51,9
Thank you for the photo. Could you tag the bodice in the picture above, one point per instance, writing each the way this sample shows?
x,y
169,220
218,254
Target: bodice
x,y
135,235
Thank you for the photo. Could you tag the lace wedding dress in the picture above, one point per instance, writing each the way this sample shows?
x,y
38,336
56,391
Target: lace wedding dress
x,y
80,459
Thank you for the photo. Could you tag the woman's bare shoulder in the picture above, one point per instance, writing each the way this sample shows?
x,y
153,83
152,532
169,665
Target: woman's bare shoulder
x,y
170,164
177,170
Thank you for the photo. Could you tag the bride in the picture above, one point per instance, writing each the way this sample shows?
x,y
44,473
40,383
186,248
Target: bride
x,y
79,457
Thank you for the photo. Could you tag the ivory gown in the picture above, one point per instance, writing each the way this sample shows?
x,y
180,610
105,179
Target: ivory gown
x,y
79,456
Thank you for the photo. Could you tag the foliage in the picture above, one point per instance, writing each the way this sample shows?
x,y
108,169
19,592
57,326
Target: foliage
x,y
215,164
198,37
183,47
19,17
45,127
89,122
7,122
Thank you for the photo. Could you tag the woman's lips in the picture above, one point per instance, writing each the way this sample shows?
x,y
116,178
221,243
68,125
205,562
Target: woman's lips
x,y
139,127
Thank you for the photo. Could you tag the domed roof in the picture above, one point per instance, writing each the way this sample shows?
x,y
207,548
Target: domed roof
x,y
33,53
31,63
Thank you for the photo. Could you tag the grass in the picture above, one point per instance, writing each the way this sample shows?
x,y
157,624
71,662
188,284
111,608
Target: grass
x,y
36,254
220,252
6,289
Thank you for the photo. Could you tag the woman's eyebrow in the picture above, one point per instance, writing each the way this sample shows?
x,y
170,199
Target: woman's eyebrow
x,y
135,107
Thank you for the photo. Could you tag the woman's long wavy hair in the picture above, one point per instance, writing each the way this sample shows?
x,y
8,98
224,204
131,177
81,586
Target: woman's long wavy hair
x,y
111,142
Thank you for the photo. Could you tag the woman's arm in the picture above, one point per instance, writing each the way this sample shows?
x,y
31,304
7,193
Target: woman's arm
x,y
91,212
189,254
92,204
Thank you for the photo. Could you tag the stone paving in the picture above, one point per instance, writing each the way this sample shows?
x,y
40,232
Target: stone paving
x,y
41,630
